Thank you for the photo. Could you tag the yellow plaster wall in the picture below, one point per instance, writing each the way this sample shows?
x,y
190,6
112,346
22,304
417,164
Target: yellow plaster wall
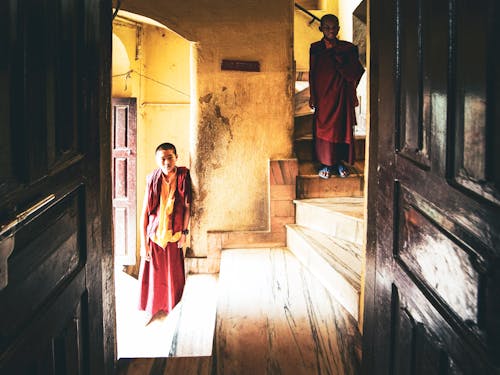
x,y
125,85
165,100
240,119
306,33
330,6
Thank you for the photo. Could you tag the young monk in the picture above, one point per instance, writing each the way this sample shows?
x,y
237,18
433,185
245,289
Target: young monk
x,y
334,73
164,227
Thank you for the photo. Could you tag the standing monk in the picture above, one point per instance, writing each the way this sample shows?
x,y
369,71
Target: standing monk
x,y
334,73
164,227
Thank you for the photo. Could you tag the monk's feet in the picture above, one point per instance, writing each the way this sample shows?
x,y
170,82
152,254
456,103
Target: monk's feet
x,y
325,172
148,319
343,171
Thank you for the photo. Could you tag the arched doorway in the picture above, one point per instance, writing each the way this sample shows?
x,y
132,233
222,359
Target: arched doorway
x,y
151,84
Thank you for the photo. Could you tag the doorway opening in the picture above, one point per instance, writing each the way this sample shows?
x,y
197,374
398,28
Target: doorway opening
x,y
151,96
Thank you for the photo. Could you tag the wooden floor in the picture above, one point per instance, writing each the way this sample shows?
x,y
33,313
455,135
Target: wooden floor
x,y
187,331
273,317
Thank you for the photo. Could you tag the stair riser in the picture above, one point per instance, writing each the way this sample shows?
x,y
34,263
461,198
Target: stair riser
x,y
342,255
351,186
343,292
304,149
332,224
303,126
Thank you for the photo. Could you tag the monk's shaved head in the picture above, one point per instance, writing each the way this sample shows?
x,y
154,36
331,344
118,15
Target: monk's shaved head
x,y
329,17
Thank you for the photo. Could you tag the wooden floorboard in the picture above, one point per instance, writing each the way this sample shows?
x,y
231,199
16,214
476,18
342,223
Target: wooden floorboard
x,y
186,331
273,317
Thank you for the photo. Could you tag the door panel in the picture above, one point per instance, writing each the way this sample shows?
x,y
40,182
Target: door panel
x,y
476,165
124,154
430,254
436,252
55,248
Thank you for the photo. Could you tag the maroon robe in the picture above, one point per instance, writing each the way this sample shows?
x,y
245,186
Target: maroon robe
x,y
162,279
334,74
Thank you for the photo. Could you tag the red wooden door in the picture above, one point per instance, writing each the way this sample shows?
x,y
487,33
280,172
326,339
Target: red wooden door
x,y
56,290
124,153
433,283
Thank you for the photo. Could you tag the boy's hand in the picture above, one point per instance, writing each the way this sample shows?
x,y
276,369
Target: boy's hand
x,y
312,105
146,252
182,241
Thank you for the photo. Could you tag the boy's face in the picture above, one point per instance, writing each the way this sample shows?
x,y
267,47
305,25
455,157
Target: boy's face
x,y
165,159
330,29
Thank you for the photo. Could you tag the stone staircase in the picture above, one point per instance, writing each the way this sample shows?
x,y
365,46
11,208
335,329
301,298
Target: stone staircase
x,y
327,238
327,235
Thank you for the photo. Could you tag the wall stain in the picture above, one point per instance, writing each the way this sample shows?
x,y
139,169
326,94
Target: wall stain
x,y
225,120
214,135
206,98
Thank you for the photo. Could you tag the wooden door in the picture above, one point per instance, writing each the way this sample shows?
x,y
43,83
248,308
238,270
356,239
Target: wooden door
x,y
124,153
433,271
56,289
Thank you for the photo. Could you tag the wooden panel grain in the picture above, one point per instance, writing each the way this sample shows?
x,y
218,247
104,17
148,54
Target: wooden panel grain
x,y
57,124
124,158
48,252
56,341
475,151
423,343
120,178
413,127
434,237
432,256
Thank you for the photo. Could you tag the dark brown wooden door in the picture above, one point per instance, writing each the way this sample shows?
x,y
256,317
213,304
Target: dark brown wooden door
x,y
56,290
124,154
433,272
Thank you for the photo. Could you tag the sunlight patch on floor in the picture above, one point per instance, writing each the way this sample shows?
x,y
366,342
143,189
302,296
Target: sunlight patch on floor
x,y
186,331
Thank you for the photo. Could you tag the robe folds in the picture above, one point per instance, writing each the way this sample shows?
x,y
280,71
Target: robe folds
x,y
334,75
162,279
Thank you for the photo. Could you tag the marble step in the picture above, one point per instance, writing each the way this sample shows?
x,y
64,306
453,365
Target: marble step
x,y
335,262
340,217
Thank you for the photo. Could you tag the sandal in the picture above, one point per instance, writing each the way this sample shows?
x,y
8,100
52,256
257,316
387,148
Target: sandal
x,y
324,172
343,171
